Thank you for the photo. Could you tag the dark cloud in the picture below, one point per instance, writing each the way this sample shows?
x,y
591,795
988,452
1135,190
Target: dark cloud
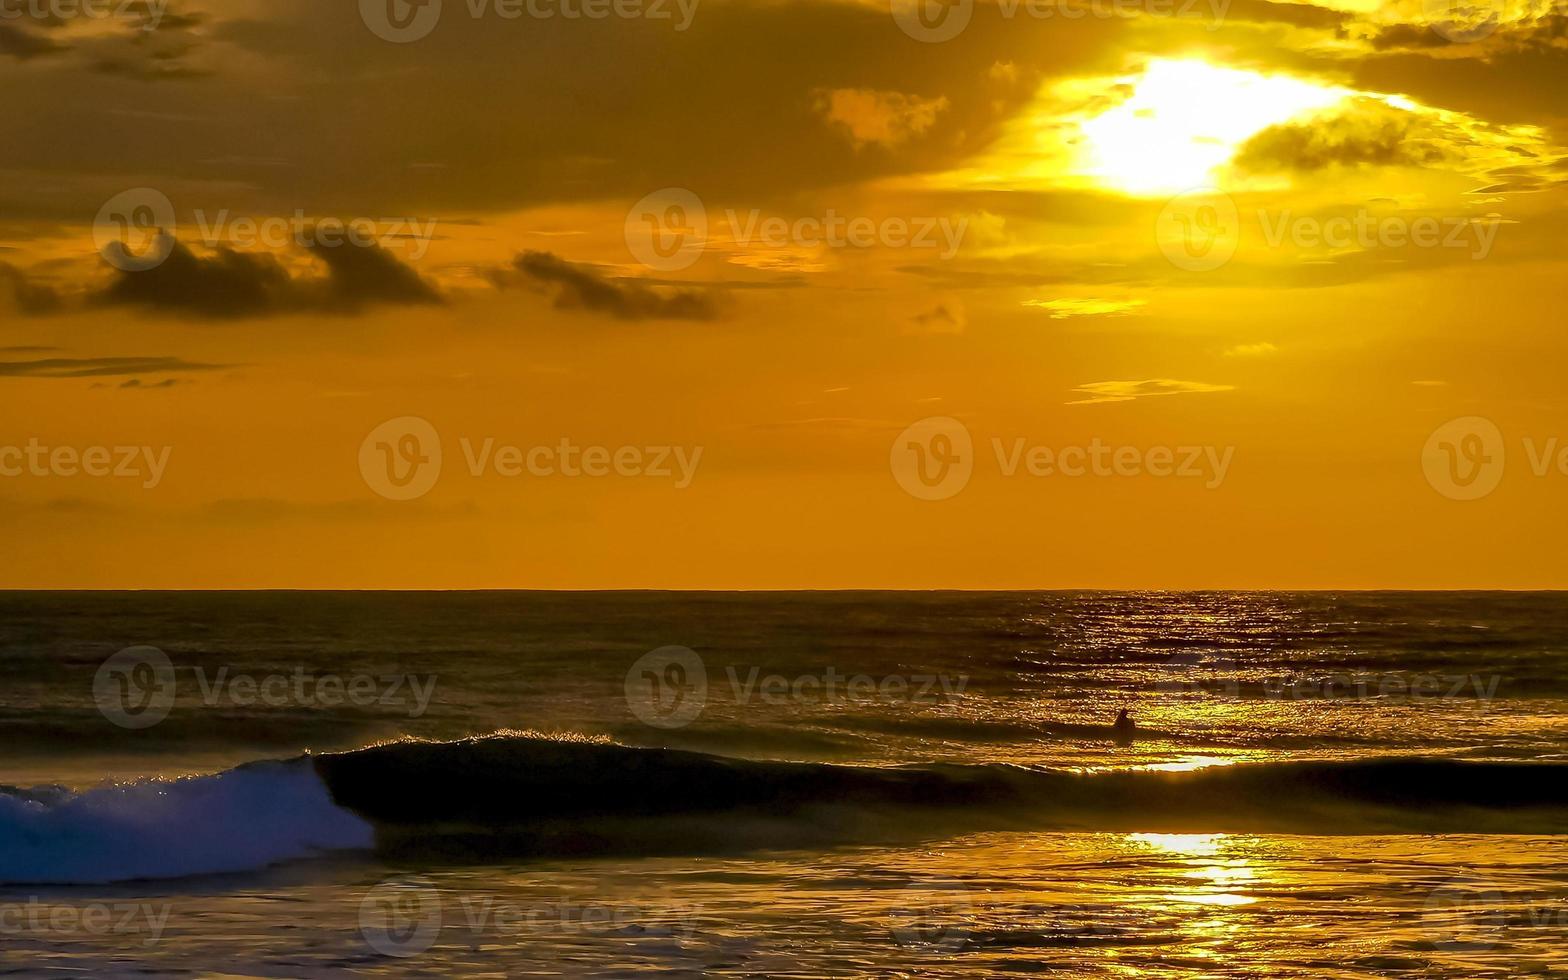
x,y
150,43
1294,14
1543,32
585,287
22,45
360,275
368,127
231,284
101,367
1369,133
19,293
1400,36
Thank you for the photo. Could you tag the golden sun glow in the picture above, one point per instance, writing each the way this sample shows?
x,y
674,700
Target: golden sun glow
x,y
1186,119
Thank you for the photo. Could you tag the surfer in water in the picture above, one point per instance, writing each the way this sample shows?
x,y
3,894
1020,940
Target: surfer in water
x,y
1124,728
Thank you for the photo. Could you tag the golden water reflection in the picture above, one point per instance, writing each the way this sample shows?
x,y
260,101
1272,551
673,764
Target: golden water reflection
x,y
1215,868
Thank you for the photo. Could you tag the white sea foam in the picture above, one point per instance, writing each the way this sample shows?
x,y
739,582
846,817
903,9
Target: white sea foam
x,y
238,820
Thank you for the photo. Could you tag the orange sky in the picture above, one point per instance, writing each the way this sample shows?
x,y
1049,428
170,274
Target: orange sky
x,y
1243,294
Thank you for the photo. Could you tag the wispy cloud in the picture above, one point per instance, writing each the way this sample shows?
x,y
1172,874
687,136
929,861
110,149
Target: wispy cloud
x,y
101,367
1261,349
1100,392
1061,309
585,287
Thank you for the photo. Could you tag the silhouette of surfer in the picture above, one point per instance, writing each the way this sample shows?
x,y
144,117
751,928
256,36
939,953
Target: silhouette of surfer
x,y
1124,728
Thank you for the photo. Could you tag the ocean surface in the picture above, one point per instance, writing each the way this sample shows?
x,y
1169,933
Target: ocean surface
x,y
783,785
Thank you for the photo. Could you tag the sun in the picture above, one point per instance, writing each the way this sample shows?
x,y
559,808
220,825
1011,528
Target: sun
x,y
1184,120
1172,126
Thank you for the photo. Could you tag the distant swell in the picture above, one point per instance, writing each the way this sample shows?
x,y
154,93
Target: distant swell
x,y
512,796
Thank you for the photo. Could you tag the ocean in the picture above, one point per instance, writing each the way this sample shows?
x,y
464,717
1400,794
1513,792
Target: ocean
x,y
299,784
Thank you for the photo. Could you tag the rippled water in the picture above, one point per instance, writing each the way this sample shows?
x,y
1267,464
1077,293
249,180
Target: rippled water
x,y
1006,904
1030,679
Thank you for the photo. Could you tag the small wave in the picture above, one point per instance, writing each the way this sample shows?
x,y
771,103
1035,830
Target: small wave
x,y
244,819
515,795
522,796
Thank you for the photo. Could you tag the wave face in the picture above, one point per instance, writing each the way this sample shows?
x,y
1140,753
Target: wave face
x,y
517,795
243,819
